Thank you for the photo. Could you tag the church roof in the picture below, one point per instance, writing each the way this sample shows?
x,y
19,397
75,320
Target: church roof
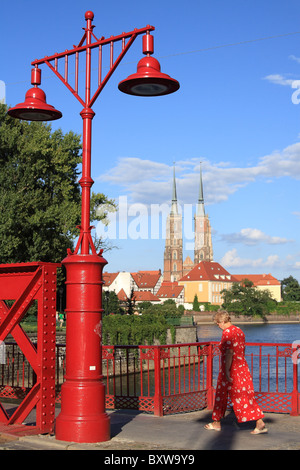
x,y
209,271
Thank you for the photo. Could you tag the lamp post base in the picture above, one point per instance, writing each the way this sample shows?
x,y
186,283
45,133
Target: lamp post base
x,y
82,417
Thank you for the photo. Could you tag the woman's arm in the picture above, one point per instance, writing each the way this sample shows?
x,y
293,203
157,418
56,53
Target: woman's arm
x,y
228,362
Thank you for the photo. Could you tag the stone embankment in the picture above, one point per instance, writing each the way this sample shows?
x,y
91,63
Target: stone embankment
x,y
206,317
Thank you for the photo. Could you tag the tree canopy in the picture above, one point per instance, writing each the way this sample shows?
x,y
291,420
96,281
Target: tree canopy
x,y
290,289
39,191
245,299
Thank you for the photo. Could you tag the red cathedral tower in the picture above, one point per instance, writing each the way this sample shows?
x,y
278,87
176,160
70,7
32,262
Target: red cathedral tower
x,y
174,267
173,248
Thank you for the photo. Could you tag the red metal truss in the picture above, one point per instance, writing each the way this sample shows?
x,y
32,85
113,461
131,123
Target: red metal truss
x,y
24,283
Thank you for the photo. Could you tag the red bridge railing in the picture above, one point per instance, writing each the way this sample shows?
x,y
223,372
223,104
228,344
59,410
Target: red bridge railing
x,y
173,378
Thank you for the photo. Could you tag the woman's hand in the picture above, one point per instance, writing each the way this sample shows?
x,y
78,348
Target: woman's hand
x,y
227,374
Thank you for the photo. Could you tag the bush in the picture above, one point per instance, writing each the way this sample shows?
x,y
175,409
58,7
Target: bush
x,y
133,329
287,308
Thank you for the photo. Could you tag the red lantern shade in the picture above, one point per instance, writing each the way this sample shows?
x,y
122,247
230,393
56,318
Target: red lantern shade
x,y
149,80
35,107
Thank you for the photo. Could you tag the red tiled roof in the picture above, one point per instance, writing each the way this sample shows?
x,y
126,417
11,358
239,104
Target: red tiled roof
x,y
169,291
169,283
122,296
109,278
259,279
146,279
208,271
145,296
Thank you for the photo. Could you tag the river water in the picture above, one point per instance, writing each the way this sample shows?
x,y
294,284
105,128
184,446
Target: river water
x,y
262,333
255,333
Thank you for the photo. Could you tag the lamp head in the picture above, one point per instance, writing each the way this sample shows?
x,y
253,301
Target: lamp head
x,y
35,107
148,80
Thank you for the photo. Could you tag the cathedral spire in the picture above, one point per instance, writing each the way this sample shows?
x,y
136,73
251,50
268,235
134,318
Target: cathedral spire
x,y
174,208
203,244
200,204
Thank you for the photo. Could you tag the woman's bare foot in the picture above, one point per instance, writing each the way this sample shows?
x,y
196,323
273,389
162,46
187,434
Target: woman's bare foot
x,y
214,426
260,427
260,424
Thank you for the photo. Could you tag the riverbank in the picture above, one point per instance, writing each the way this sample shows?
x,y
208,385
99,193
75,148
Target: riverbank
x,y
184,334
206,317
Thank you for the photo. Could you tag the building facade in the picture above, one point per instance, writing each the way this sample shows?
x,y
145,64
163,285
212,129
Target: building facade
x,y
206,280
171,290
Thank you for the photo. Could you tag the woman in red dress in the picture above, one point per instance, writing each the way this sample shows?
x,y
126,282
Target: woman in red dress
x,y
234,379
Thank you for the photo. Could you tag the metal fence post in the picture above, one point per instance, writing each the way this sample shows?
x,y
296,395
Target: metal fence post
x,y
209,377
295,411
158,400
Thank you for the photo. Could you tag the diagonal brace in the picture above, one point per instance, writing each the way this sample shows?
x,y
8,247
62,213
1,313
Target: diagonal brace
x,y
21,339
21,305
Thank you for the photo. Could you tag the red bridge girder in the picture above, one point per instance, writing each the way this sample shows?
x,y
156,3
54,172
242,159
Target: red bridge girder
x,y
24,283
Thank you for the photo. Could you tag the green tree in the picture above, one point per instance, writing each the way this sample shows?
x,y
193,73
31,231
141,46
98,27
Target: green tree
x,y
245,299
142,306
39,191
111,303
166,310
130,303
196,306
290,289
180,309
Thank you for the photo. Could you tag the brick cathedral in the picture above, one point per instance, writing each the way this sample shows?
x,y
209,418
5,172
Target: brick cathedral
x,y
174,266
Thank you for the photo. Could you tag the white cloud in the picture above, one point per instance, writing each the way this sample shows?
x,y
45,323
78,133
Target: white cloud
x,y
279,80
296,59
150,182
232,260
129,170
253,236
284,163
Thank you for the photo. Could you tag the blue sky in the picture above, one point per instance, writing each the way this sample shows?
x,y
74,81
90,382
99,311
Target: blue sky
x,y
237,111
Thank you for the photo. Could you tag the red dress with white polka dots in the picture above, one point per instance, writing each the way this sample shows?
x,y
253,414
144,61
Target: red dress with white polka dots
x,y
240,390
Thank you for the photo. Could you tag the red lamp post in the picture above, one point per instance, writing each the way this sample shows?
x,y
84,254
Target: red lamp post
x,y
82,417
